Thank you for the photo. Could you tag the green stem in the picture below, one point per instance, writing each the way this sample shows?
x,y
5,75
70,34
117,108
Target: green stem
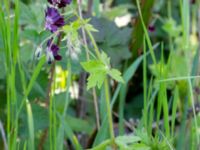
x,y
94,44
51,123
145,114
110,120
88,58
146,34
193,109
121,109
169,5
106,89
30,125
52,134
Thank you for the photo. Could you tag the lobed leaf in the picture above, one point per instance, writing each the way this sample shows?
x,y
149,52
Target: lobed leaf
x,y
115,74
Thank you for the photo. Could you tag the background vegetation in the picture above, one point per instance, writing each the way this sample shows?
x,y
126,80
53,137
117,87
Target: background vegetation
x,y
80,102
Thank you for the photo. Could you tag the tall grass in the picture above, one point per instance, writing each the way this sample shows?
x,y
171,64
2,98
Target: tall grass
x,y
6,30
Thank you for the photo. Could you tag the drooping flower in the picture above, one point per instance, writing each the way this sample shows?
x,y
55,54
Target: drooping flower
x,y
52,51
53,19
38,51
60,3
151,28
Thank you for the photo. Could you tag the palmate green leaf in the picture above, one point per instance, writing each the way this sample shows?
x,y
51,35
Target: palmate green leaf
x,y
116,74
98,70
105,59
96,79
90,27
76,25
171,28
125,141
93,66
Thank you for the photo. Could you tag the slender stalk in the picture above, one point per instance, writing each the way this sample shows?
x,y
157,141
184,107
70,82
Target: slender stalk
x,y
54,114
96,108
88,58
30,125
146,33
82,29
145,114
110,120
51,123
122,97
108,105
193,110
51,108
170,38
165,111
94,43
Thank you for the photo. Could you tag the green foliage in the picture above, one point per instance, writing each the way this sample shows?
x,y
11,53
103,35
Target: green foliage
x,y
139,141
153,106
98,70
112,40
171,28
125,142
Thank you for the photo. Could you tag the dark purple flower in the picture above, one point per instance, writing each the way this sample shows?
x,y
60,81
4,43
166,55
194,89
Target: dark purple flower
x,y
60,3
53,19
151,28
52,51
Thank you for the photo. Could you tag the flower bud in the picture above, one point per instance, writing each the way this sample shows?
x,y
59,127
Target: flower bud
x,y
49,57
38,52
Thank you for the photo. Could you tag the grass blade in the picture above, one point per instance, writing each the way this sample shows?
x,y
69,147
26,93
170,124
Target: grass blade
x,y
30,125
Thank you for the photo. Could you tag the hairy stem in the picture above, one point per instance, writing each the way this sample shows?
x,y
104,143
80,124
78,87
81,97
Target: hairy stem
x,y
88,57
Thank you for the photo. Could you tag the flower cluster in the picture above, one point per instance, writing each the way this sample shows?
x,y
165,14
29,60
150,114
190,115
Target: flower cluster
x,y
53,21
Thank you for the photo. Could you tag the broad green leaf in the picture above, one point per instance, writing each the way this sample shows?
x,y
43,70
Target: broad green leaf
x,y
105,59
103,146
96,79
90,27
98,70
171,28
93,66
140,146
77,24
125,141
115,74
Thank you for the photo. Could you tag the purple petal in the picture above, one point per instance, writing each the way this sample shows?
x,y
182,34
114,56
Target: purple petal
x,y
151,28
53,19
53,48
58,57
